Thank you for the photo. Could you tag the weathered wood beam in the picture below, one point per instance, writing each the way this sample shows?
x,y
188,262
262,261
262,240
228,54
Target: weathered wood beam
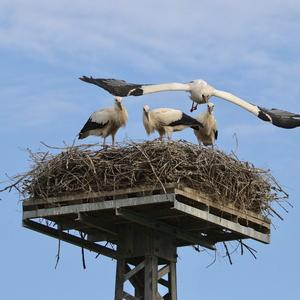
x,y
166,228
172,281
247,232
136,280
203,198
135,270
164,282
86,207
98,195
72,239
163,271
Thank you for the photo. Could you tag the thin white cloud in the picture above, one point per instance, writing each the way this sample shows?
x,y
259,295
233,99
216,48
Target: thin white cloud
x,y
192,33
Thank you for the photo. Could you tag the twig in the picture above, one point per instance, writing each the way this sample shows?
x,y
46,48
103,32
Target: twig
x,y
82,235
58,253
227,253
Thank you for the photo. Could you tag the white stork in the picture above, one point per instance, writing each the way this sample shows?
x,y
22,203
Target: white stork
x,y
209,133
167,120
106,121
200,92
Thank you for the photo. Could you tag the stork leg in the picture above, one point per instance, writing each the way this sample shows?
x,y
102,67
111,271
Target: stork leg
x,y
194,106
104,145
113,139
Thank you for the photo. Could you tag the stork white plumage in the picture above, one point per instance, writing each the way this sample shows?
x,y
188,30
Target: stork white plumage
x,y
166,120
209,132
106,121
200,92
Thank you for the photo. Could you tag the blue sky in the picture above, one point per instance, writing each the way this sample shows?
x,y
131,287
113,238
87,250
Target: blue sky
x,y
249,48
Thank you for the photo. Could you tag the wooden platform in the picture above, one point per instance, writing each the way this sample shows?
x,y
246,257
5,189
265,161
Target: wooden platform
x,y
190,216
143,226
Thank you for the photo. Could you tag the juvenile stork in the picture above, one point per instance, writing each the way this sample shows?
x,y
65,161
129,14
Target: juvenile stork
x,y
209,132
167,120
105,122
199,92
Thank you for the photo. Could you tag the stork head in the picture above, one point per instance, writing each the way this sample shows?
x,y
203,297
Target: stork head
x,y
146,110
118,101
200,91
199,82
210,107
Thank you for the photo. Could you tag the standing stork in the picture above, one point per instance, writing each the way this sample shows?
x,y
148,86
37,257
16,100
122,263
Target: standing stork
x,y
167,120
200,92
105,122
209,133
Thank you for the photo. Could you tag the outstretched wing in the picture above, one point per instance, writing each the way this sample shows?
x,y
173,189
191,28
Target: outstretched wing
x,y
122,88
280,118
116,87
277,117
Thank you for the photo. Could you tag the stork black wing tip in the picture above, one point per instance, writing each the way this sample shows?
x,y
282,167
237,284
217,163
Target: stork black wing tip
x,y
279,118
87,79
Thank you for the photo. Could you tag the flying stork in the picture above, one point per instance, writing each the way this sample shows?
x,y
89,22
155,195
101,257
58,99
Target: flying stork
x,y
209,133
200,92
105,122
167,120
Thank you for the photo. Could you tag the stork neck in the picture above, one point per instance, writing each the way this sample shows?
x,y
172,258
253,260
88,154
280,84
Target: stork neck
x,y
119,106
174,86
236,100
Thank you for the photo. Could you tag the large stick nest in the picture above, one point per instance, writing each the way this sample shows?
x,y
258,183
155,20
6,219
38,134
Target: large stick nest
x,y
86,169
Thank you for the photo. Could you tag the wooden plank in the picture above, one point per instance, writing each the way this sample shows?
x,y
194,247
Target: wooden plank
x,y
230,208
66,237
137,282
166,228
163,271
172,280
87,207
119,283
94,195
151,279
135,270
164,282
234,227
